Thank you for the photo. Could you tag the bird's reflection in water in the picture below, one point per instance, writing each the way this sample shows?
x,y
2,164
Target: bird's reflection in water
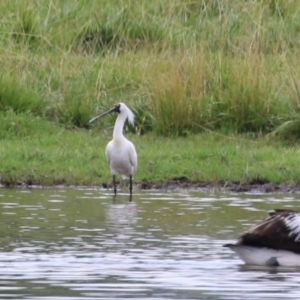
x,y
281,271
121,217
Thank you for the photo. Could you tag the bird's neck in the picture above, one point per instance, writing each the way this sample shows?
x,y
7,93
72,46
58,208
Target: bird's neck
x,y
118,129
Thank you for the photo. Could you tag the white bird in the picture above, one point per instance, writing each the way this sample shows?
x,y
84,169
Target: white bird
x,y
274,241
120,152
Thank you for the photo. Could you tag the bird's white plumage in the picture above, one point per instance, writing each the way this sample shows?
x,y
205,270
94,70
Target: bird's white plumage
x,y
120,152
293,224
261,256
121,157
125,110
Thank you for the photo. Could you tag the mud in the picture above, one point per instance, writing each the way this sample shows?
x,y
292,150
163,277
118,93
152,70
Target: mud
x,y
233,187
183,183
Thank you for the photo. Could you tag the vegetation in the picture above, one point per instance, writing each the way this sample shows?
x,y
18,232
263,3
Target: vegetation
x,y
191,70
47,154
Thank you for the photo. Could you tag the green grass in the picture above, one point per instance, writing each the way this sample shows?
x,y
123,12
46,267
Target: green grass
x,y
185,67
182,65
53,155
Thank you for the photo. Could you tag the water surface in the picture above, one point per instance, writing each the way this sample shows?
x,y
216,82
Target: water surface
x,y
78,244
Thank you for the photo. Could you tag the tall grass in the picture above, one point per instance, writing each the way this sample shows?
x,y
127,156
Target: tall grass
x,y
243,102
175,87
183,66
16,94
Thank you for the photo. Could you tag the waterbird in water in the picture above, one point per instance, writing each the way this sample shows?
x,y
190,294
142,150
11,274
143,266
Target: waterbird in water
x,y
120,152
274,241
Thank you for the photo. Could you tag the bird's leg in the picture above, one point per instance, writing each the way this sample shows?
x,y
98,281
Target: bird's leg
x,y
130,187
114,185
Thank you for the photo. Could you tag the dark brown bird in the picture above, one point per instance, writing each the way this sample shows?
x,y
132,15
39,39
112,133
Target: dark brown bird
x,y
274,241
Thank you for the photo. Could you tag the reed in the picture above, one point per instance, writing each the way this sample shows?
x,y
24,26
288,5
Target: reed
x,y
175,87
183,66
16,94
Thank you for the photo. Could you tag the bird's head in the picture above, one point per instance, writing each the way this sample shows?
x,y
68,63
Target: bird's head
x,y
122,108
119,108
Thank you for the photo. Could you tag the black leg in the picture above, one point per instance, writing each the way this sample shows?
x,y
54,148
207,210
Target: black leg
x,y
114,185
130,187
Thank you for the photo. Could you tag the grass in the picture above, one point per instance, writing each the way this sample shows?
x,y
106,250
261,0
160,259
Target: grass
x,y
54,155
193,72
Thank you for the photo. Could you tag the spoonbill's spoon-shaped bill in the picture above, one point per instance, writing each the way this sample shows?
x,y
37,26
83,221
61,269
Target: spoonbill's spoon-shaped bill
x,y
102,115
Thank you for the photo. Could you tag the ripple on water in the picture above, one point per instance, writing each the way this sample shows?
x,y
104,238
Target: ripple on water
x,y
79,244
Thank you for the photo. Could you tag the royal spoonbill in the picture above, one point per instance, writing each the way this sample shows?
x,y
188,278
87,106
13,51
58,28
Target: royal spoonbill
x,y
120,152
274,241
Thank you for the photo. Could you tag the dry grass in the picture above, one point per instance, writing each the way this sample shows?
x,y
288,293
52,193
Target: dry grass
x,y
181,65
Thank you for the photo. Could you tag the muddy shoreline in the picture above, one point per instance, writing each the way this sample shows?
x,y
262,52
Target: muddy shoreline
x,y
233,187
183,183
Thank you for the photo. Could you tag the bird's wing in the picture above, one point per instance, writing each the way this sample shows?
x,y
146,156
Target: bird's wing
x,y
281,230
133,157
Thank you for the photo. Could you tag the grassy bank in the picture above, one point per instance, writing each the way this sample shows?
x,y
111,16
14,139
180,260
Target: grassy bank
x,y
215,82
48,154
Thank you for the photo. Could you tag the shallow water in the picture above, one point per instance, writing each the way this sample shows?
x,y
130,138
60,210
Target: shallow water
x,y
79,244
